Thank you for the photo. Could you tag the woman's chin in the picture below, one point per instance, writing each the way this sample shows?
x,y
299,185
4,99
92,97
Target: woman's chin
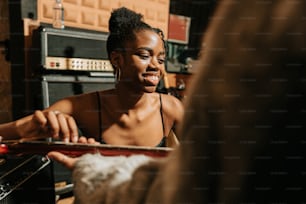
x,y
149,89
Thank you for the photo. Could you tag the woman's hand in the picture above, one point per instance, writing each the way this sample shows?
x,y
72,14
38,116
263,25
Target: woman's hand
x,y
49,123
86,140
65,160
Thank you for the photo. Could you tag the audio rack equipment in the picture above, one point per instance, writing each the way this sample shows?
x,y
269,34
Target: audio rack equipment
x,y
71,50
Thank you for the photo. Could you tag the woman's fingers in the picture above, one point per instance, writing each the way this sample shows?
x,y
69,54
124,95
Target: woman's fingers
x,y
35,127
74,133
82,139
65,160
62,126
53,123
86,140
39,118
48,123
92,141
67,127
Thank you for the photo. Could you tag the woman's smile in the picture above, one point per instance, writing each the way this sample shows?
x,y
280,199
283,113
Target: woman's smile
x,y
151,79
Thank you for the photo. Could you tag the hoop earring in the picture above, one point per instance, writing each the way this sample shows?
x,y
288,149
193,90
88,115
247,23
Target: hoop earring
x,y
118,75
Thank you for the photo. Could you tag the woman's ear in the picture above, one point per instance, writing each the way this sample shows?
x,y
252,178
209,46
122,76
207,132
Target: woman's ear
x,y
115,58
115,61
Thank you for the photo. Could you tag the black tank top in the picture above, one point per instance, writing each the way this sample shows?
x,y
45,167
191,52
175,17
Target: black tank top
x,y
162,142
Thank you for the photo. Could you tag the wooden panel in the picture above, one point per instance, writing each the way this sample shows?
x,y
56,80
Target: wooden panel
x,y
94,14
5,73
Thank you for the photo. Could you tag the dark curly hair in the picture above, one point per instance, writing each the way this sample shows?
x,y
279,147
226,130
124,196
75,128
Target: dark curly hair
x,y
123,26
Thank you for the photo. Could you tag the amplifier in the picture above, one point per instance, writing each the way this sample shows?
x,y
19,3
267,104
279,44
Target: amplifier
x,y
55,87
68,49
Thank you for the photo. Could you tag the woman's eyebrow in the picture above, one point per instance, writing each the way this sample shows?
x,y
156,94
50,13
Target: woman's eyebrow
x,y
150,50
144,48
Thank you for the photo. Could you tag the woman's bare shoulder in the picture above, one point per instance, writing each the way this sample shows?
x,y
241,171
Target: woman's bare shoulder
x,y
171,100
172,106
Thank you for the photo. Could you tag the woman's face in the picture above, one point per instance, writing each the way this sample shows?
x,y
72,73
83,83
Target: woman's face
x,y
143,62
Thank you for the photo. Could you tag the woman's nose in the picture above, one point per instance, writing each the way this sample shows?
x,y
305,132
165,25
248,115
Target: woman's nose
x,y
154,63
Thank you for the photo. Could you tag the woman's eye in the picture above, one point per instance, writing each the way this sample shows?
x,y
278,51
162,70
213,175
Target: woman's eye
x,y
161,61
144,56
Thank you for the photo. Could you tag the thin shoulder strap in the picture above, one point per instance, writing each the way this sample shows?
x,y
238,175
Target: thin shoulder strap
x,y
100,115
161,112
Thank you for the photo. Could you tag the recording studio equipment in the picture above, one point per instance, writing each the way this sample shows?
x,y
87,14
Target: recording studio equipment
x,y
67,62
26,179
54,87
74,50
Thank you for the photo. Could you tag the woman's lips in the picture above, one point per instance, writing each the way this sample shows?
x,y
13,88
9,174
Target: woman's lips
x,y
151,79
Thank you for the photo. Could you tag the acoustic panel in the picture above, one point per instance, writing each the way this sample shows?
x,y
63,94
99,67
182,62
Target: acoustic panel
x,y
94,14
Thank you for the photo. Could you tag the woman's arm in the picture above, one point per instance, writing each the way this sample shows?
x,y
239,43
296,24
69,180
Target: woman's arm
x,y
8,131
41,124
173,110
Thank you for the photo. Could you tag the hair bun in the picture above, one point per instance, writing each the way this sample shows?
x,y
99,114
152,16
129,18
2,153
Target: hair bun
x,y
123,19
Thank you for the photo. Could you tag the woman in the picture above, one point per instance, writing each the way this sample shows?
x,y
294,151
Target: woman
x,y
132,113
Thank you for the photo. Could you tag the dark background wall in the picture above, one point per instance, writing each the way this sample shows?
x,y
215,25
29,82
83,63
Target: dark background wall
x,y
200,12
5,75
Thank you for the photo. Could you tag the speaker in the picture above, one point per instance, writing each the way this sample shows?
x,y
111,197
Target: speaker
x,y
50,88
26,179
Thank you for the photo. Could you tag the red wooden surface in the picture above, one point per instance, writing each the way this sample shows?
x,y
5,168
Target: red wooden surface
x,y
77,149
